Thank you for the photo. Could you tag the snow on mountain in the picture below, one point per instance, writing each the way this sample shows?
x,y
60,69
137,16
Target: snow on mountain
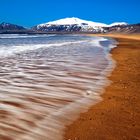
x,y
70,24
74,20
78,21
74,24
118,23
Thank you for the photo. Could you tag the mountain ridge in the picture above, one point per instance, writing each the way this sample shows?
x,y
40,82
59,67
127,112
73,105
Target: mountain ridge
x,y
10,26
75,20
72,25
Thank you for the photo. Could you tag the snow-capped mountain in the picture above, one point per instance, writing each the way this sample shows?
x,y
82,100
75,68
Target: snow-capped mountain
x,y
118,24
74,24
73,20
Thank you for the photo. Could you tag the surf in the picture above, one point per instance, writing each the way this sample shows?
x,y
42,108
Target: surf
x,y
45,83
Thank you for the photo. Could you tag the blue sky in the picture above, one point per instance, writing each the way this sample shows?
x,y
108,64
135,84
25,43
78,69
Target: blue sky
x,y
31,12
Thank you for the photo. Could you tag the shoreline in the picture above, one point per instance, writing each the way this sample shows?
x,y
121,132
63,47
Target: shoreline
x,y
120,36
118,115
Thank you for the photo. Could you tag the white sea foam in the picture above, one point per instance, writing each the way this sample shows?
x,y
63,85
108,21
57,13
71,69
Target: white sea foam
x,y
97,41
10,36
6,51
16,49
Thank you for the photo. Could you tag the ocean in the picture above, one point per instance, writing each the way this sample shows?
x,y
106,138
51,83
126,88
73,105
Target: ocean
x,y
46,81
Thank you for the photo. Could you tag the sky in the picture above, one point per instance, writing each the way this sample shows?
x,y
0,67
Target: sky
x,y
29,13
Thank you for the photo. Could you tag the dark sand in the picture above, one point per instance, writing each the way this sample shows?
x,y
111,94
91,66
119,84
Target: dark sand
x,y
117,117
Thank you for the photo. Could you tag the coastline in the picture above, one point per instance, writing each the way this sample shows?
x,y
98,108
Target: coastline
x,y
118,115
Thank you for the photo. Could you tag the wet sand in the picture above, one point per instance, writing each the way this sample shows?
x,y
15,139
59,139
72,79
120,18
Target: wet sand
x,y
117,117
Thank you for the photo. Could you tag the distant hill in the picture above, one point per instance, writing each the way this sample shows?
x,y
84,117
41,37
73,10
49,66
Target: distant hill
x,y
9,26
132,28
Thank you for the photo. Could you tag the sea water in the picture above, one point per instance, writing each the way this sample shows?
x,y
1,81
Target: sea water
x,y
46,81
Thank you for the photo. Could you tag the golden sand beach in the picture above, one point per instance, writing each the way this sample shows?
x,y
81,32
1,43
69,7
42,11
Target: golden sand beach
x,y
117,117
